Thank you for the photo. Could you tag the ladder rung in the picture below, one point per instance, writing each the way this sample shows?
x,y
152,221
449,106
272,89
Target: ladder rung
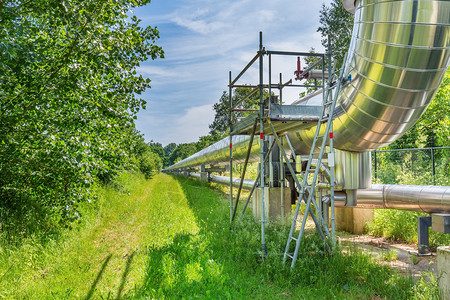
x,y
293,238
288,255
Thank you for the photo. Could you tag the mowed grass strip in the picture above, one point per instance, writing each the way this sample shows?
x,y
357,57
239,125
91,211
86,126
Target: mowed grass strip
x,y
196,255
169,238
104,256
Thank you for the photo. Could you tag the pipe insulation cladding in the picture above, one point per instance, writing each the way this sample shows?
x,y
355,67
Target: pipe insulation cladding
x,y
398,56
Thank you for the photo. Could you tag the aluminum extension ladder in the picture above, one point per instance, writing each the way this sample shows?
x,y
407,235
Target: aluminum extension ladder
x,y
324,132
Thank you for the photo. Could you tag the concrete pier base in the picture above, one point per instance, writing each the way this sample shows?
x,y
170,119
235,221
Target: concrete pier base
x,y
443,265
274,209
204,176
352,219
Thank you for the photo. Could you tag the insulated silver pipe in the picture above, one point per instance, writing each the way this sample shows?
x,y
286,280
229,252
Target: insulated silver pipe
x,y
429,199
397,58
247,184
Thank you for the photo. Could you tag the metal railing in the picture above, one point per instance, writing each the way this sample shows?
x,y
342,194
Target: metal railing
x,y
418,166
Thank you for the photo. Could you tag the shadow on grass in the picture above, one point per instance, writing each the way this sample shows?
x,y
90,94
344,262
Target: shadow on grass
x,y
219,263
125,275
210,264
99,276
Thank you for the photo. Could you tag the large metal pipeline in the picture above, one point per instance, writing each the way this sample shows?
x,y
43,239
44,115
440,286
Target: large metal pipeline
x,y
422,198
429,199
397,58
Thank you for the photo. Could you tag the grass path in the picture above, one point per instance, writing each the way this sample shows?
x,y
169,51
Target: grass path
x,y
169,238
103,257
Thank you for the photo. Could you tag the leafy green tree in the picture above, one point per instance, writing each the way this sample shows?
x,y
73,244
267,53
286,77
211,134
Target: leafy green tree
x,y
169,148
221,123
181,152
156,148
150,163
69,96
336,23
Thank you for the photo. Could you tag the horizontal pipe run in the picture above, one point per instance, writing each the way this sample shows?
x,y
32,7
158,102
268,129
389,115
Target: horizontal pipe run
x,y
420,198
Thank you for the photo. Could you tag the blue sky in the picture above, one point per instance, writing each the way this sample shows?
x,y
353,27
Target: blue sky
x,y
205,39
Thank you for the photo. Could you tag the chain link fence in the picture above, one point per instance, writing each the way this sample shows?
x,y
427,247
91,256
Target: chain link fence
x,y
414,166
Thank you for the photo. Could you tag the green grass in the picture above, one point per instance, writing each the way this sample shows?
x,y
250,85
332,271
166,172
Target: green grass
x,y
169,238
210,261
104,255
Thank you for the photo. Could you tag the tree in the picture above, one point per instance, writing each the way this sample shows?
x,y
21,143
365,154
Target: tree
x,y
69,96
181,152
221,123
156,148
336,23
169,148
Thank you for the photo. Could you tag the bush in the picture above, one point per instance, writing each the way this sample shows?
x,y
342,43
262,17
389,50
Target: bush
x,y
149,164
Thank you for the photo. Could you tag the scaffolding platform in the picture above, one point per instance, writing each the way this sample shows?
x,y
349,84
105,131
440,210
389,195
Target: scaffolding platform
x,y
283,117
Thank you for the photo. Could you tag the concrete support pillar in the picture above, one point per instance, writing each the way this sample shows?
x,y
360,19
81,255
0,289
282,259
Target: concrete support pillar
x,y
352,219
443,265
204,176
274,209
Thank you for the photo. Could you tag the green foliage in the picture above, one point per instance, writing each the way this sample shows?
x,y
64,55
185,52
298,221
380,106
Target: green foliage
x,y
169,148
221,123
157,148
337,24
149,164
395,224
105,244
181,152
69,96
169,238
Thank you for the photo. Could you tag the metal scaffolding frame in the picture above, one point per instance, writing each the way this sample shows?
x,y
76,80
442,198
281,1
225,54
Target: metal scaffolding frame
x,y
273,118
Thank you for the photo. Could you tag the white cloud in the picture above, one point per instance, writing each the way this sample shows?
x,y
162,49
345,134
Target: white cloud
x,y
180,128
